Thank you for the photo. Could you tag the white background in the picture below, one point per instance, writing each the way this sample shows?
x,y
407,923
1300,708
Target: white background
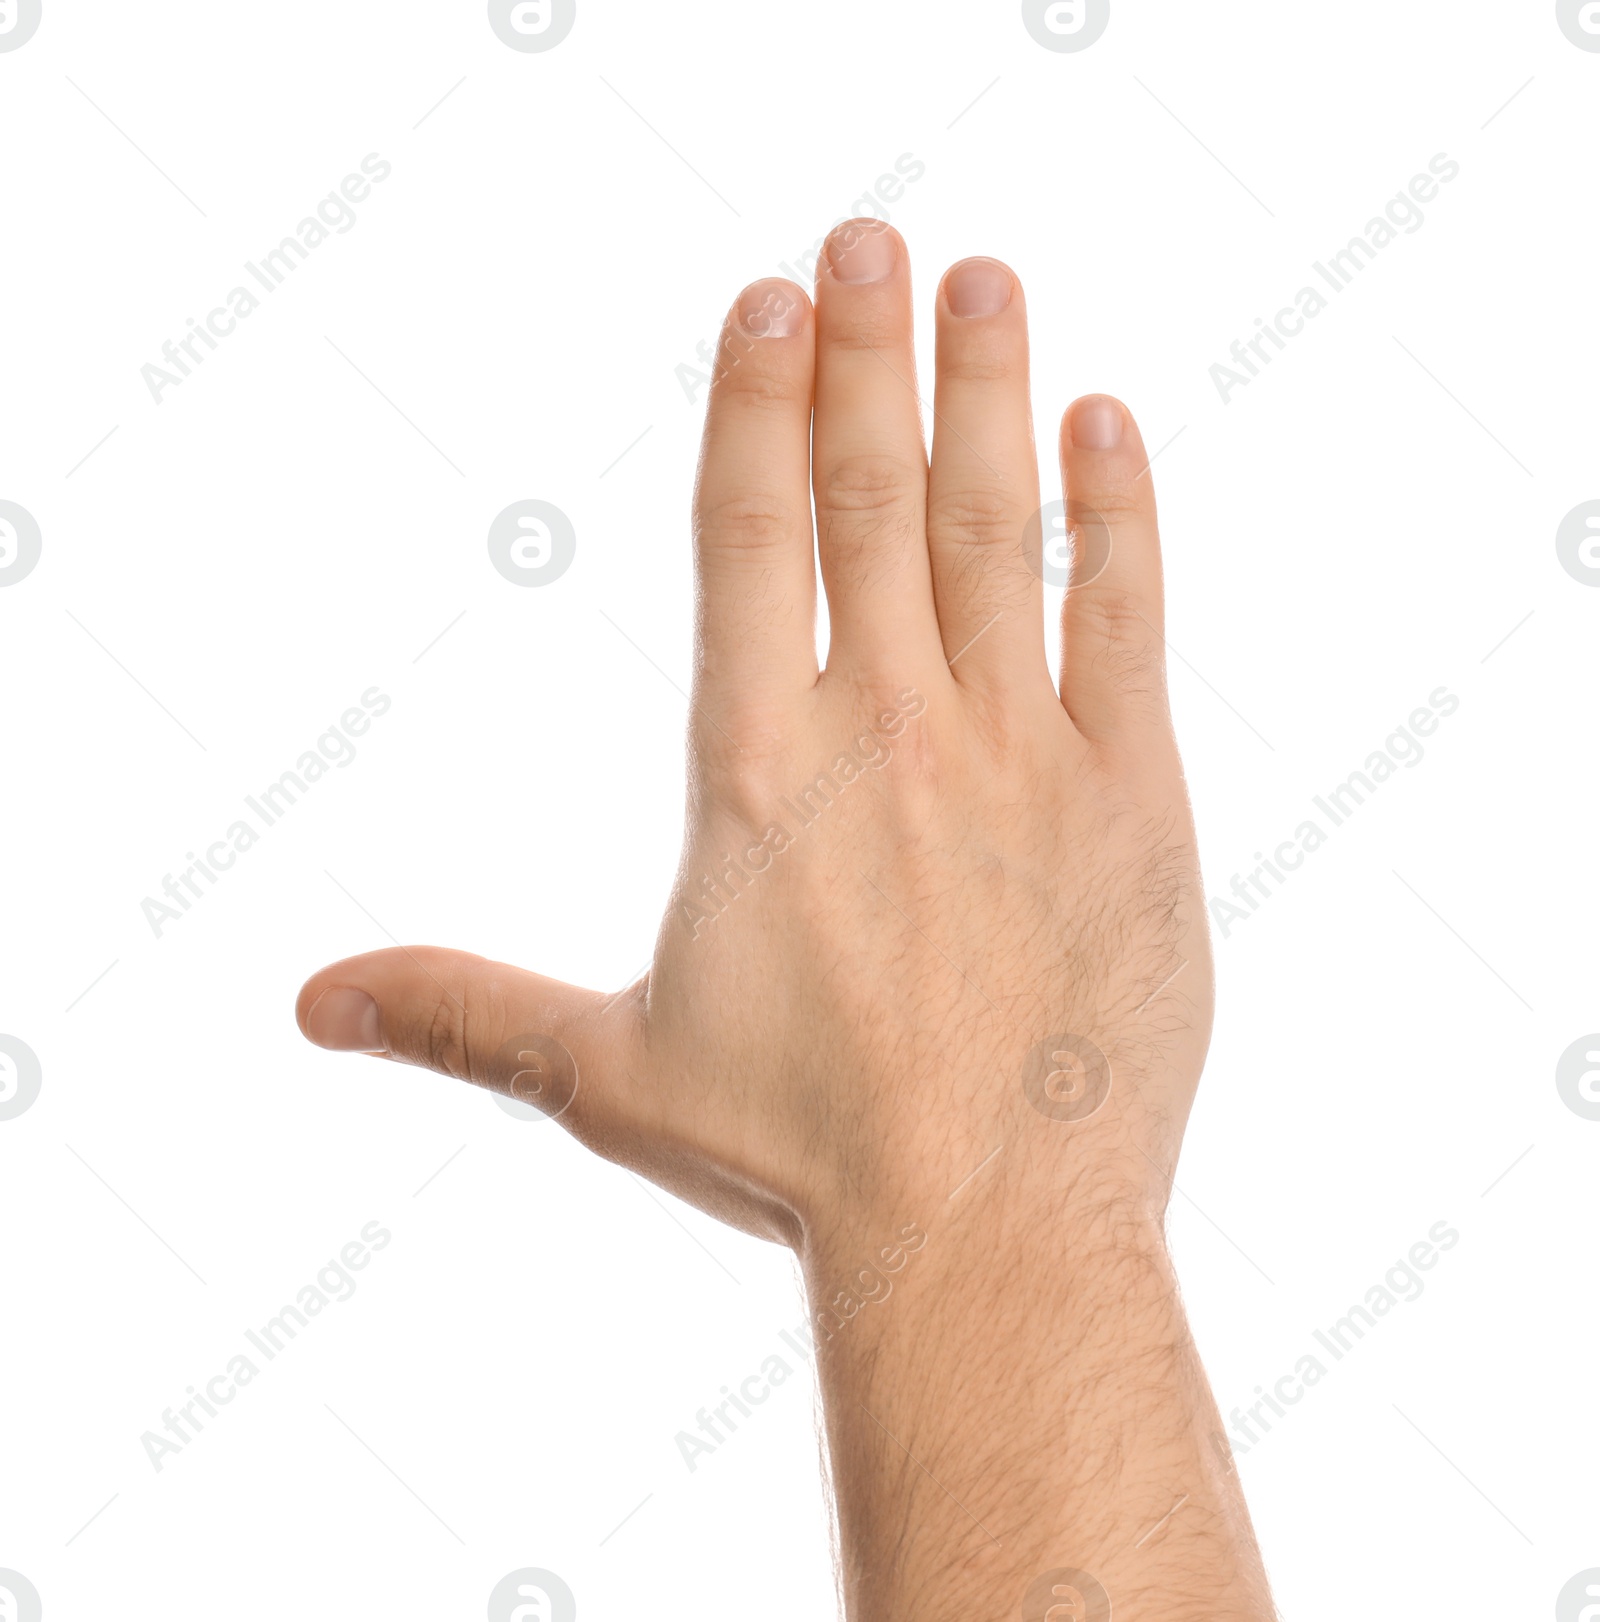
x,y
233,567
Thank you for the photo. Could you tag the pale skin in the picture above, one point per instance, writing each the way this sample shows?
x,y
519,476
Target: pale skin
x,y
962,987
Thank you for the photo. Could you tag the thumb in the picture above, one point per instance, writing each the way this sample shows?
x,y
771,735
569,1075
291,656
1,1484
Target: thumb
x,y
540,1041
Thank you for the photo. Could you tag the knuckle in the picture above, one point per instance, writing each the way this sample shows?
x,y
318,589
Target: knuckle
x,y
1116,503
976,365
751,388
737,748
746,790
979,515
869,483
864,331
1121,640
444,1040
749,523
1111,615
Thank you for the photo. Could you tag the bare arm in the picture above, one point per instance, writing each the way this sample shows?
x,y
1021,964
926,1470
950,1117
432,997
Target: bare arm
x,y
1022,1428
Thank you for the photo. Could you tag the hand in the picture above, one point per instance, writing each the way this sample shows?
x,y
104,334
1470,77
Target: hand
x,y
934,976
927,905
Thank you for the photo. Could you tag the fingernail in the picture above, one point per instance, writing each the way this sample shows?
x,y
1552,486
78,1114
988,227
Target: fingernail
x,y
771,309
978,287
861,251
1097,424
345,1020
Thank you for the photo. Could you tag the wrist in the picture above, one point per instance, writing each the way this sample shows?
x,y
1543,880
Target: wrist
x,y
1030,1188
1010,1235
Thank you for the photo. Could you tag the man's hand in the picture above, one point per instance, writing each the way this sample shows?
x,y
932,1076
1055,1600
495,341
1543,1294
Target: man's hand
x,y
935,959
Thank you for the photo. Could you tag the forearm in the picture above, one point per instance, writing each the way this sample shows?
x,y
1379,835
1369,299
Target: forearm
x,y
1025,1400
